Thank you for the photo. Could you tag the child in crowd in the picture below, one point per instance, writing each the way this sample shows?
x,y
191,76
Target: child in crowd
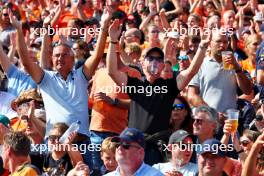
x,y
108,156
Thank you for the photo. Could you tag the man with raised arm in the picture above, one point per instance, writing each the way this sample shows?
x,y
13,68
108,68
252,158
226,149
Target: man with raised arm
x,y
151,97
64,90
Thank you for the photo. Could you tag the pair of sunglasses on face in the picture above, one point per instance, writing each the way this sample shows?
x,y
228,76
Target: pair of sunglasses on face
x,y
183,58
152,58
178,106
244,143
126,146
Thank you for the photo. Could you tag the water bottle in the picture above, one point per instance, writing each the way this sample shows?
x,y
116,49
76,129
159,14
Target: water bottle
x,y
73,128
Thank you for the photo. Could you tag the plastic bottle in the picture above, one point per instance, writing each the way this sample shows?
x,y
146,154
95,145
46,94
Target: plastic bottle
x,y
73,128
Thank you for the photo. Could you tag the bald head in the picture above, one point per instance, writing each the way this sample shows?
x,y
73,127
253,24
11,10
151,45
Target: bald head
x,y
133,35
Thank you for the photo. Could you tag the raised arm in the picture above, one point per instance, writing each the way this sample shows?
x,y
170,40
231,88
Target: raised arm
x,y
146,20
132,6
45,57
249,168
120,78
123,55
185,76
91,63
31,67
178,9
12,47
4,60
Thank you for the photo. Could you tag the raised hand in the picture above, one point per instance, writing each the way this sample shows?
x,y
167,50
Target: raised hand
x,y
14,21
114,30
107,15
206,37
71,138
48,19
80,169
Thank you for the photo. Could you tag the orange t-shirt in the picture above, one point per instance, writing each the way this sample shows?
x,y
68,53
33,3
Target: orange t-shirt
x,y
249,67
105,117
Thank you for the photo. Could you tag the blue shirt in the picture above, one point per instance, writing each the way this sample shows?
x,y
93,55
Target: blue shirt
x,y
19,81
189,169
65,100
144,170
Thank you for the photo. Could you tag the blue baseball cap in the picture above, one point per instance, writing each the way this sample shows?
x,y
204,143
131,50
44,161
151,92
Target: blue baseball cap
x,y
131,135
213,146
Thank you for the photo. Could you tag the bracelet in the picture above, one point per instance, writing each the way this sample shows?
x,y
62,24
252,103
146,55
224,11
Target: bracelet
x,y
114,42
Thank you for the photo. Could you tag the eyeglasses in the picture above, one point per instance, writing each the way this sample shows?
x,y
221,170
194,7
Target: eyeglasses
x,y
244,143
126,146
179,106
5,14
152,58
52,138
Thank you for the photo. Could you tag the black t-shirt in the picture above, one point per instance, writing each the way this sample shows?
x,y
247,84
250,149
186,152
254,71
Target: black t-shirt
x,y
62,165
151,104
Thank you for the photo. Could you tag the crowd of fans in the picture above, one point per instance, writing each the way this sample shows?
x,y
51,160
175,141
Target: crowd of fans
x,y
150,83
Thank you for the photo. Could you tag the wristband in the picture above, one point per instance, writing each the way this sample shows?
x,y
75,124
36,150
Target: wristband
x,y
116,101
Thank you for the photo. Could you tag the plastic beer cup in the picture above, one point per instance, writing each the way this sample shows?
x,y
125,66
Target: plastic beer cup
x,y
233,116
226,54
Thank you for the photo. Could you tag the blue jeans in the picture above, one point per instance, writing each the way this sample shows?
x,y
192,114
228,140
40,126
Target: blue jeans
x,y
87,156
97,139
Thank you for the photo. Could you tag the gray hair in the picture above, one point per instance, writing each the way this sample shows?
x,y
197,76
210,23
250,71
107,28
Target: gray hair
x,y
211,112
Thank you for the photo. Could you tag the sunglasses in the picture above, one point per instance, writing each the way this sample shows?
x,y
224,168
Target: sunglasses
x,y
259,117
152,58
183,58
52,138
126,146
179,106
156,31
244,143
198,121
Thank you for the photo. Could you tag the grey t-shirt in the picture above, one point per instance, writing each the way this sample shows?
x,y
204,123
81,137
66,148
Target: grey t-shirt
x,y
218,87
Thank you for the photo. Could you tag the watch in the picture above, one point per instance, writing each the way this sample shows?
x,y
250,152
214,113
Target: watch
x,y
115,102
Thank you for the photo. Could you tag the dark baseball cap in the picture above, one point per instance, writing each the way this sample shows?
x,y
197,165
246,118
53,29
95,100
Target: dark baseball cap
x,y
213,146
154,49
179,136
131,135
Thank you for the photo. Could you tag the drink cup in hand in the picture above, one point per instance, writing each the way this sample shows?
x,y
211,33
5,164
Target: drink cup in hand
x,y
233,116
225,56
